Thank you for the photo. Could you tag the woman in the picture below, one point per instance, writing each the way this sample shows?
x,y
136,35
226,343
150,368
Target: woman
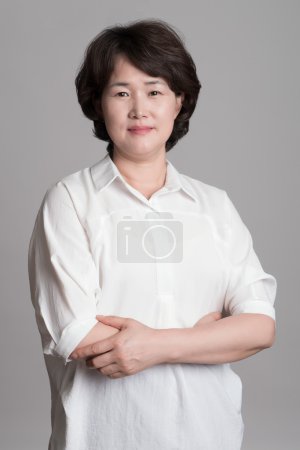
x,y
132,263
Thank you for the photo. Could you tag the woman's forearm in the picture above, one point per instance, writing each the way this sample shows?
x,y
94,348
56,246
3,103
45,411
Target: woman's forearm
x,y
98,332
229,339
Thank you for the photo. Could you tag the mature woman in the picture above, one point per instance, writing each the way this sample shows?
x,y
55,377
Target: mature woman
x,y
132,263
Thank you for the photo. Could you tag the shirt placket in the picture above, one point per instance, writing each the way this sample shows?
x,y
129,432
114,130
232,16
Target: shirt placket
x,y
164,276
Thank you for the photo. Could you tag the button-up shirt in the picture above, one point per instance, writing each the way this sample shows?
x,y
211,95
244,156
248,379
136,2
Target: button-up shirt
x,y
99,246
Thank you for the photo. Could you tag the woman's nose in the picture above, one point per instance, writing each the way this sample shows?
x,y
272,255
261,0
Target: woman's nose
x,y
136,114
138,109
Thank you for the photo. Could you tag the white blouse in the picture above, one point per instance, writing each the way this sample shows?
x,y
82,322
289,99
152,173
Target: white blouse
x,y
99,246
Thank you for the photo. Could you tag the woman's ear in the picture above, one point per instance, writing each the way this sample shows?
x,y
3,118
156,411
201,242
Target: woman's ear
x,y
179,102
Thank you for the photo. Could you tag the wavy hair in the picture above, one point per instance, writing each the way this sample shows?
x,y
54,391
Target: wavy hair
x,y
152,46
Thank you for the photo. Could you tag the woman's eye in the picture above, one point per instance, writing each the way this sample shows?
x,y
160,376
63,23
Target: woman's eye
x,y
125,94
119,94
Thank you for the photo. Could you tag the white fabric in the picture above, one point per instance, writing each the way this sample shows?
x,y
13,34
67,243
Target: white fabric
x,y
76,271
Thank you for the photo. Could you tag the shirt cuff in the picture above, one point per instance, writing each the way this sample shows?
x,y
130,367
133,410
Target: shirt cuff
x,y
255,306
71,336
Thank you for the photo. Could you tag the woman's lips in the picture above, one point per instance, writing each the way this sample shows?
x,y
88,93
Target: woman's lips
x,y
140,130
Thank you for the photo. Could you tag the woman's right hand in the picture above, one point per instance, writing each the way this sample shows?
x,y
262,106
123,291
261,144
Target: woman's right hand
x,y
208,318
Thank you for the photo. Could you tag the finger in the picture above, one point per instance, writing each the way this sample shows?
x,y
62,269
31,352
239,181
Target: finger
x,y
110,369
114,321
96,348
117,375
97,362
210,317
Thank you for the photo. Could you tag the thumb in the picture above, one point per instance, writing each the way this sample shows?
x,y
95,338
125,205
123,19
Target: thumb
x,y
114,321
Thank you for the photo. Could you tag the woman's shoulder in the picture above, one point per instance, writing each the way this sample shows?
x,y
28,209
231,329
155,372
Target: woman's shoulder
x,y
206,193
76,180
72,189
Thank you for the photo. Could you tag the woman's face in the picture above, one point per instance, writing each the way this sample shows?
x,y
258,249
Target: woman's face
x,y
134,99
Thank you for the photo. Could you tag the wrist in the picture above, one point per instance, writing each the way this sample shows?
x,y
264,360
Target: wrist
x,y
170,344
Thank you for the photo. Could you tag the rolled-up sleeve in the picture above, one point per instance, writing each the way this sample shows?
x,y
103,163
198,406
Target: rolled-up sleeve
x,y
250,289
62,275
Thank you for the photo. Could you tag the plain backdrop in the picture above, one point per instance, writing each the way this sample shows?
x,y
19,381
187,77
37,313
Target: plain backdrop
x,y
244,138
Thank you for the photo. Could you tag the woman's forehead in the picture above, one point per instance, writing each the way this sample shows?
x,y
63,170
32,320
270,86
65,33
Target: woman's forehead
x,y
125,71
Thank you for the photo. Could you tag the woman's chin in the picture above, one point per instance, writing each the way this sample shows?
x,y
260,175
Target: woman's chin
x,y
140,151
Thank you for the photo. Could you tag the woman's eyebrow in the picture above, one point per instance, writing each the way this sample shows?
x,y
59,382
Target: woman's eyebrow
x,y
123,83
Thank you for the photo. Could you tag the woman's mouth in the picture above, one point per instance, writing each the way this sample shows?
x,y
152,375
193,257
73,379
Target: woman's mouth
x,y
140,130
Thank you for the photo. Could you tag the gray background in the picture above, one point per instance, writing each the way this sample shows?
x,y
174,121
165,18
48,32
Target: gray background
x,y
243,138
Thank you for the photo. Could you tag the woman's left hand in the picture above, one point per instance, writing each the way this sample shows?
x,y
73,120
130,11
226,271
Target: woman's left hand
x,y
133,349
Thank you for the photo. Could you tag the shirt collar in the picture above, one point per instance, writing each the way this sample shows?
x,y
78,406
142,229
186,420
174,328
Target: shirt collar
x,y
105,171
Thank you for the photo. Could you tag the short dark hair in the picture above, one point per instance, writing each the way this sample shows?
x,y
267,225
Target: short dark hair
x,y
152,46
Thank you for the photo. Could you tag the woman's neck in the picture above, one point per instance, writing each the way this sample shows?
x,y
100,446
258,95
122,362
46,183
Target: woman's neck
x,y
147,176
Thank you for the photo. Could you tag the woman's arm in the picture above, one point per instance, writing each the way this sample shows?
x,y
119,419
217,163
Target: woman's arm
x,y
98,332
210,341
230,339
